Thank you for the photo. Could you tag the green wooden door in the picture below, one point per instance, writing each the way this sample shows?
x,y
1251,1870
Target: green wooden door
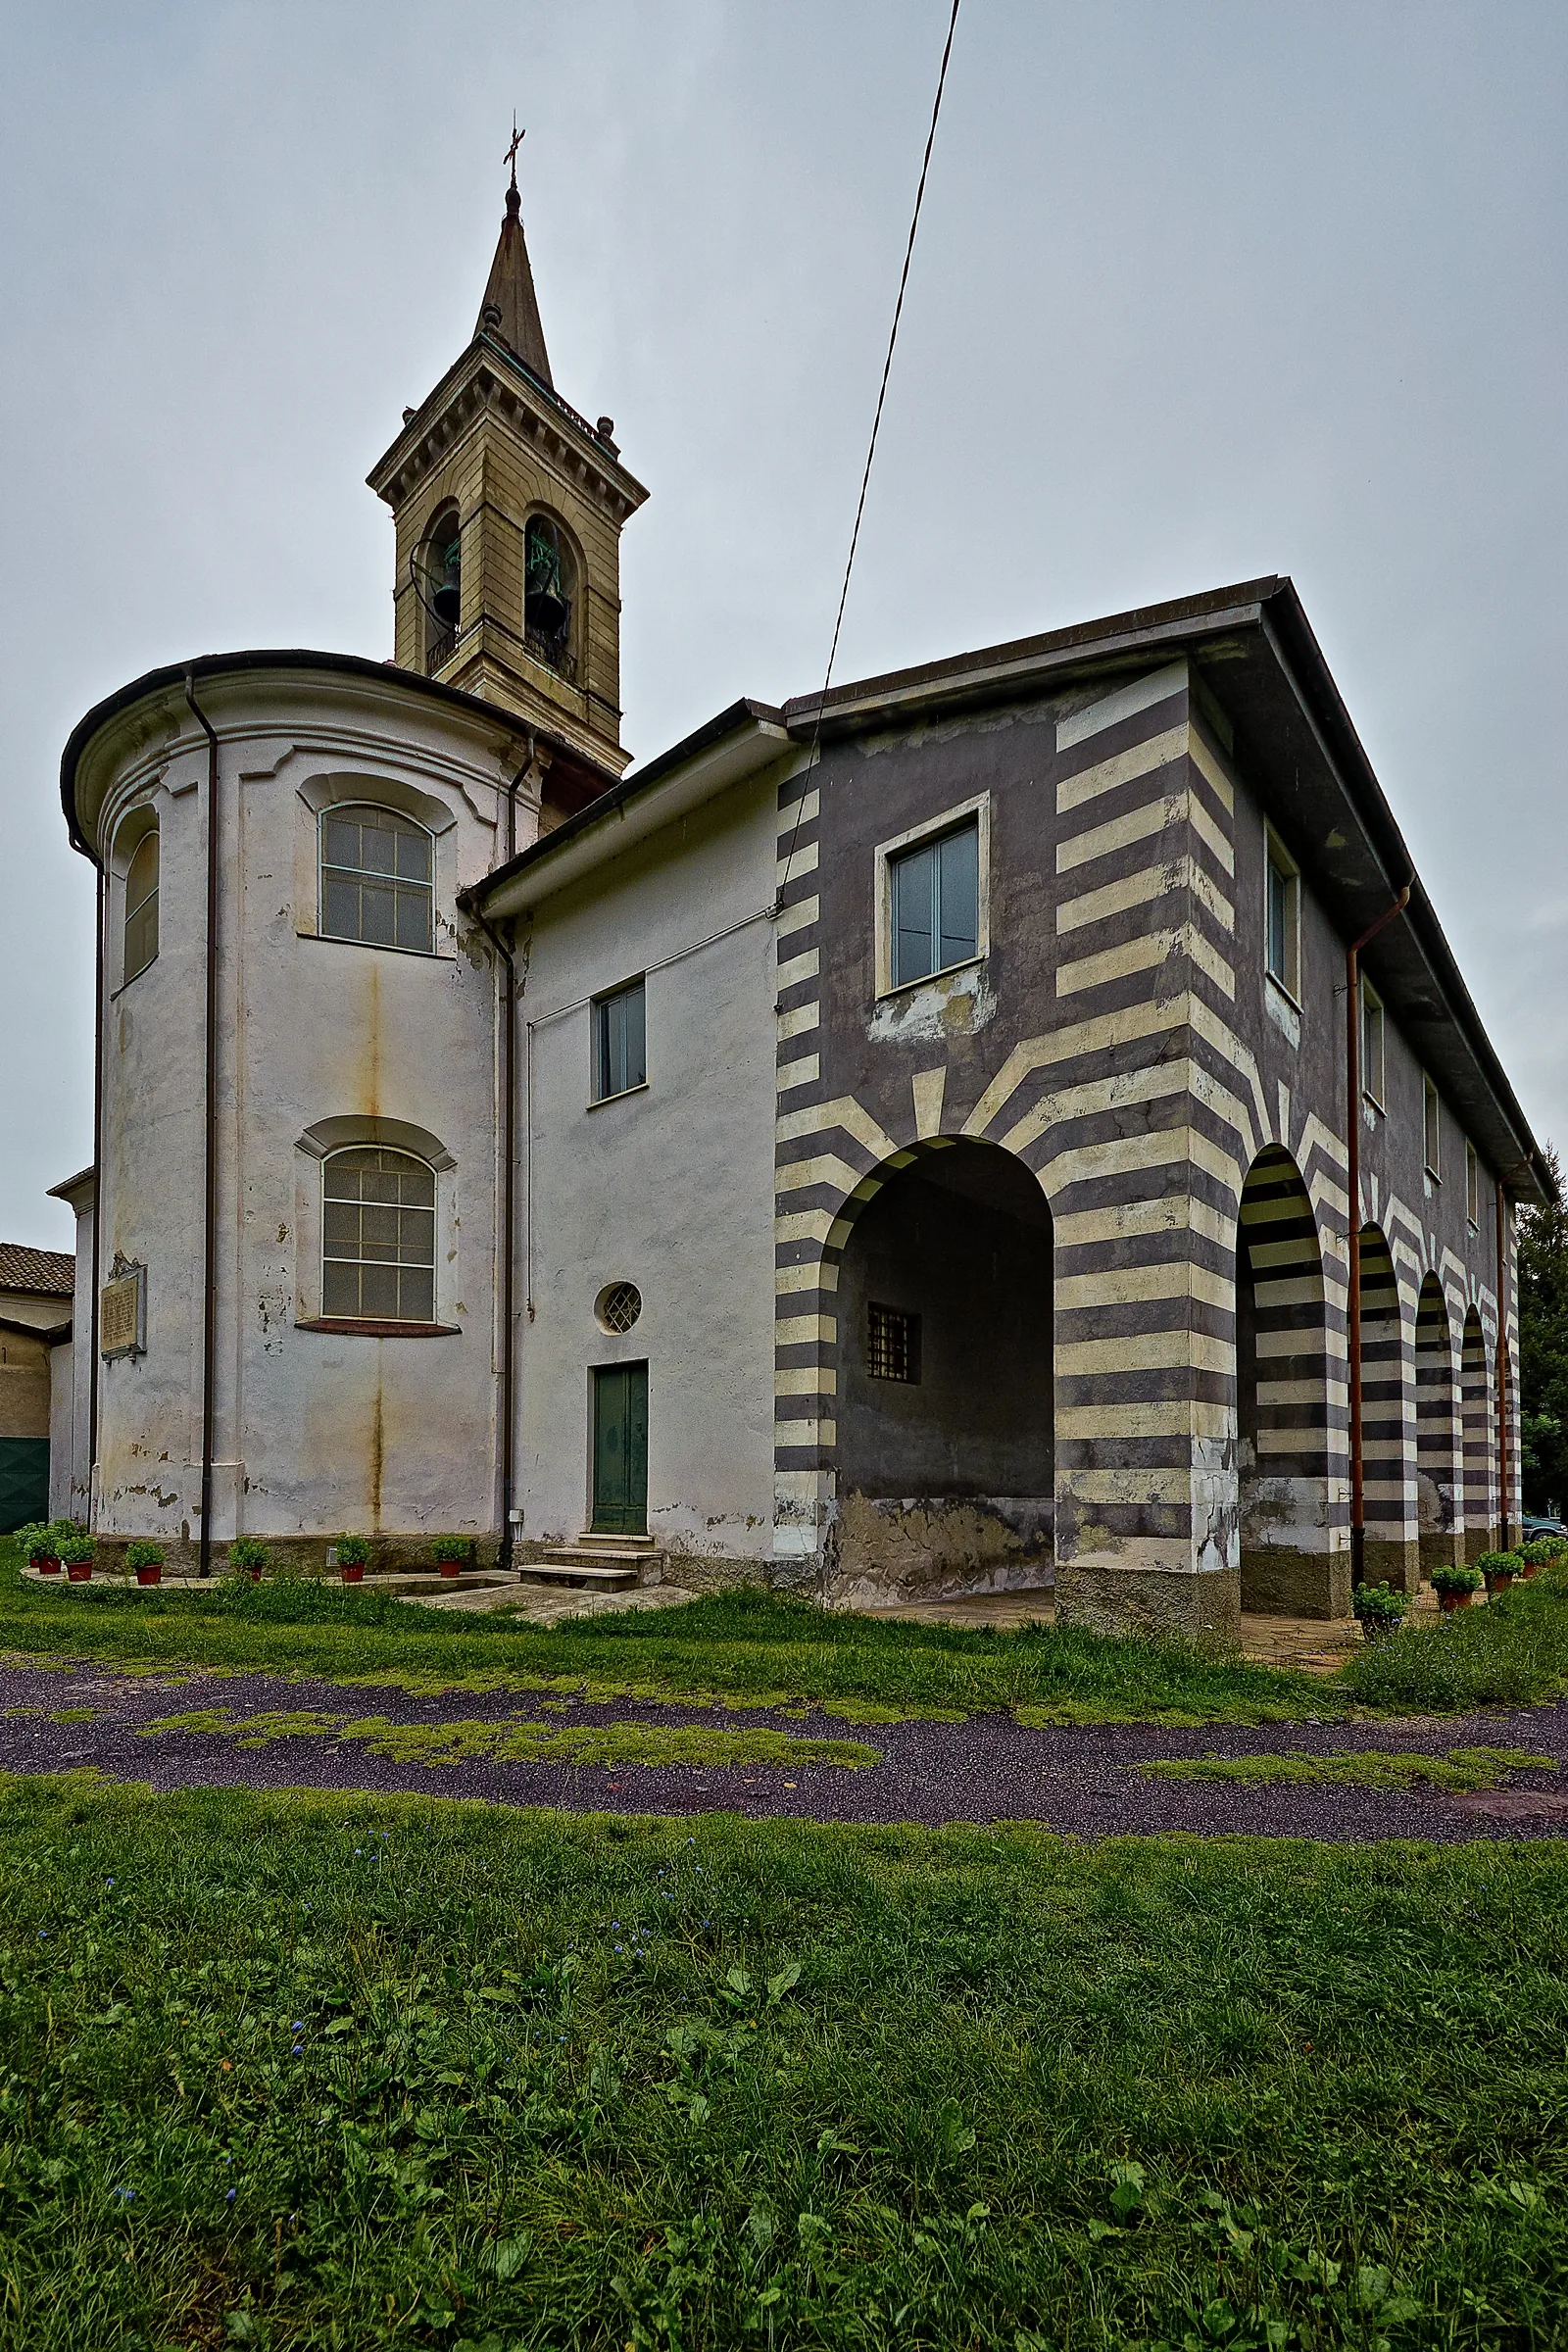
x,y
621,1449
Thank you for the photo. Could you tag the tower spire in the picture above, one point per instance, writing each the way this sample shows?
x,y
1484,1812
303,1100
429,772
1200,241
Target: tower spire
x,y
509,309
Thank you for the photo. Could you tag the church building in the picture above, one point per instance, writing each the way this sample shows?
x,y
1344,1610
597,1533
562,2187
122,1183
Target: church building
x,y
1016,1121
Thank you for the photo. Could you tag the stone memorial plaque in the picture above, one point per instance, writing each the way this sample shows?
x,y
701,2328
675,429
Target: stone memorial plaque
x,y
121,1313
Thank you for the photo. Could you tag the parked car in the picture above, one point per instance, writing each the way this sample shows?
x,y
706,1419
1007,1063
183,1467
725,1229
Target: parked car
x,y
1531,1525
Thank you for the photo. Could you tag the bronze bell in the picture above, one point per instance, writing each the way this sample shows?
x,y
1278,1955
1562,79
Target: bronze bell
x,y
447,598
546,610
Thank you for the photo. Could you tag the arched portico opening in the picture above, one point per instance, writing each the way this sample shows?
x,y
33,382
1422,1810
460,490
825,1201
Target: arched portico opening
x,y
1474,1388
1292,1558
1390,1552
946,1438
1436,1451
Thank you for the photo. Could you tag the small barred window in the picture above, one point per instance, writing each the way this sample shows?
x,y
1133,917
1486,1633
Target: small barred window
x,y
618,1306
893,1345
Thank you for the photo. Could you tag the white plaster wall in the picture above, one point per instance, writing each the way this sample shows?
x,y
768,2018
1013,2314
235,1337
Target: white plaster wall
x,y
672,1187
61,1428
315,1431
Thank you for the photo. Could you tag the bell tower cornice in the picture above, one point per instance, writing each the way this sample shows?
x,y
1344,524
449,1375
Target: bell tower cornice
x,y
489,380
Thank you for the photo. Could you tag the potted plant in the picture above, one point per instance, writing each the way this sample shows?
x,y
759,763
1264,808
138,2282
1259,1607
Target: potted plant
x,y
352,1553
248,1555
451,1553
40,1548
79,1554
1455,1586
1499,1569
148,1561
1380,1608
1537,1555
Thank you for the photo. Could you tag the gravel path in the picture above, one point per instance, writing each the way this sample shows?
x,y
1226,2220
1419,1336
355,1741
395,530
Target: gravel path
x,y
1082,1782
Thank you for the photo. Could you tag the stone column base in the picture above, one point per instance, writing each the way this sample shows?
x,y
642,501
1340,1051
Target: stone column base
x,y
1389,1560
1150,1600
1444,1550
1280,1581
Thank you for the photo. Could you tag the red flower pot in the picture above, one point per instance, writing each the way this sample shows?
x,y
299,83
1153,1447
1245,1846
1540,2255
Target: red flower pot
x,y
1527,1569
78,1570
1499,1580
1448,1601
254,1576
353,1572
150,1575
47,1567
450,1567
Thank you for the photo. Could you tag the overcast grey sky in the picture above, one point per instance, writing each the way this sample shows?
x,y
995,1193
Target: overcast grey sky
x,y
1204,289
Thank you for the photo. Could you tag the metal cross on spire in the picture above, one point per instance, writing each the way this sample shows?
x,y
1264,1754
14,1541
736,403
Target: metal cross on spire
x,y
511,156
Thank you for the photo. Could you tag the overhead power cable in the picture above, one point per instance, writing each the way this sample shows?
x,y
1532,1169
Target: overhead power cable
x,y
876,427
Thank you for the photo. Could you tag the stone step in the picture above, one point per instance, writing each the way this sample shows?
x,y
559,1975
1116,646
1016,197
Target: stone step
x,y
592,1570
615,1546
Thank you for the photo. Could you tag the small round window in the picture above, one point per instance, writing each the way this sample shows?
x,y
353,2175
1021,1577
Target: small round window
x,y
619,1305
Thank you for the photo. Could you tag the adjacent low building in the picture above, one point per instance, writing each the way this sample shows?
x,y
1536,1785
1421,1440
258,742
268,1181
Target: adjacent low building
x,y
36,1294
1014,1121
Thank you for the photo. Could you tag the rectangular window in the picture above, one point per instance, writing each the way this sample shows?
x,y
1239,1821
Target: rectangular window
x,y
1431,1130
620,1047
1282,919
936,904
893,1345
1371,1043
1472,1187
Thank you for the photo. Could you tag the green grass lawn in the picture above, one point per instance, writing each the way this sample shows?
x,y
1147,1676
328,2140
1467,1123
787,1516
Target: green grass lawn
x,y
740,1648
304,2071
753,1648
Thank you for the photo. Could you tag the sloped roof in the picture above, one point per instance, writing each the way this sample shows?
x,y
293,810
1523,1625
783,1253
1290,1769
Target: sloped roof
x,y
1297,746
51,1272
511,291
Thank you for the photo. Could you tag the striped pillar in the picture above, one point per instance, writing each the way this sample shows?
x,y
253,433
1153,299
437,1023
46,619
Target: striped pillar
x,y
810,1187
1480,1439
1439,1471
1388,1421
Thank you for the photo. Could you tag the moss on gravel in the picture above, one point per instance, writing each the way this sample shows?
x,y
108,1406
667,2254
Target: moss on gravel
x,y
521,1741
1462,1771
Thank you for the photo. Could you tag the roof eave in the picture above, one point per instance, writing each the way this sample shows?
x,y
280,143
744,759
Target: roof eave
x,y
265,658
739,742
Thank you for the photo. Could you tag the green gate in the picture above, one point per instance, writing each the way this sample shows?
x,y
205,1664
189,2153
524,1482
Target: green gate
x,y
621,1449
24,1482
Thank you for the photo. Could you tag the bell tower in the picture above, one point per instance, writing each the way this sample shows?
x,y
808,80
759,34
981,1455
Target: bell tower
x,y
508,507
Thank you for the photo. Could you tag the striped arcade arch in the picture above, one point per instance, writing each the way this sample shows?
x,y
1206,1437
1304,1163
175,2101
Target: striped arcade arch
x,y
1292,1556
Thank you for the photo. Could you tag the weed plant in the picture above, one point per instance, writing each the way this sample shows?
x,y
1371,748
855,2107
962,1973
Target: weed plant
x,y
1513,1652
325,2072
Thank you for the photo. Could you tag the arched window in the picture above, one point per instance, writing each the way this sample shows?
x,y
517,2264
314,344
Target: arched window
x,y
378,1236
548,592
377,878
141,905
